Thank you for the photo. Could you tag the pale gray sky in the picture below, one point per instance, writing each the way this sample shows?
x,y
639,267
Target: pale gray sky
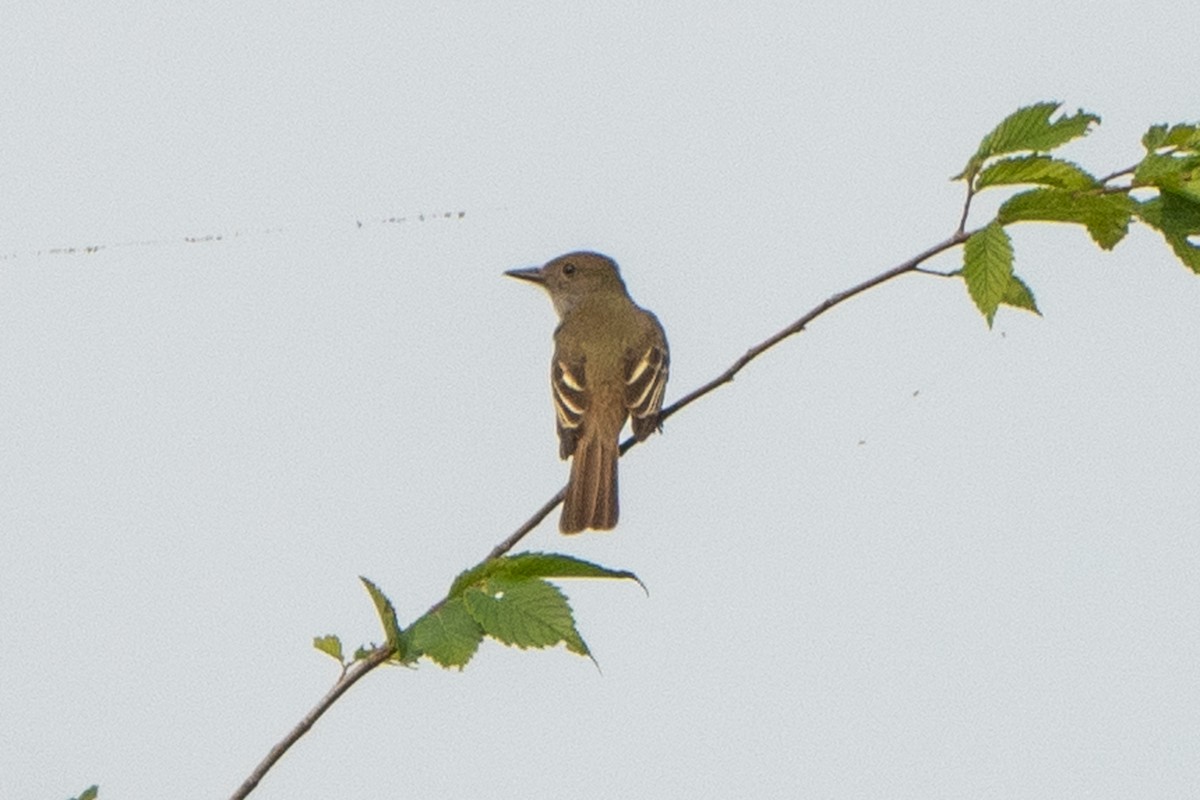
x,y
993,595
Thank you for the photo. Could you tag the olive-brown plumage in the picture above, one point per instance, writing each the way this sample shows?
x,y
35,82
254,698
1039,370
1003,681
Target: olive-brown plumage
x,y
610,364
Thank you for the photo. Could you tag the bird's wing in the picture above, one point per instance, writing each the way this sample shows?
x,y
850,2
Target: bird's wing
x,y
645,381
569,387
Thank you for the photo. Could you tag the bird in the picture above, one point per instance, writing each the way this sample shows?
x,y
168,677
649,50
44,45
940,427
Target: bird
x,y
610,364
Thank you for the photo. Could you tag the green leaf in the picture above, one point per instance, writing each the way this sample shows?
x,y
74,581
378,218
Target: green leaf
x,y
1189,191
987,268
524,612
536,565
387,617
90,793
1177,218
1106,216
557,565
1167,171
1153,138
1043,170
1018,295
1029,129
331,646
449,635
1182,136
1172,213
508,599
472,576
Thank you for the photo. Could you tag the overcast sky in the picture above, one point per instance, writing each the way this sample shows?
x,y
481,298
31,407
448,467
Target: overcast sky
x,y
902,556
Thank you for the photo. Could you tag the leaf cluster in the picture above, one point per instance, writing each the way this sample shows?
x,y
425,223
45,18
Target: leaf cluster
x,y
1017,152
507,598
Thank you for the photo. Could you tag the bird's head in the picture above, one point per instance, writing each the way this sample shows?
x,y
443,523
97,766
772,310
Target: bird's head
x,y
573,277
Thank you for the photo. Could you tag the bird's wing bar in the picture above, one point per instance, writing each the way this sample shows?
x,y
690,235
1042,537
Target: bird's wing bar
x,y
645,382
568,382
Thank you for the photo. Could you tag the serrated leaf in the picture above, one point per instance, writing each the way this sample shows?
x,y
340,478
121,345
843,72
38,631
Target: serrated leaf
x,y
449,635
1042,170
1029,129
387,618
1177,218
90,793
524,612
1019,295
1183,135
1106,216
362,652
331,646
987,268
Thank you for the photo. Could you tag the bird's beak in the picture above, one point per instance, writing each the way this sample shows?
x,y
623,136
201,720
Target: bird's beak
x,y
531,274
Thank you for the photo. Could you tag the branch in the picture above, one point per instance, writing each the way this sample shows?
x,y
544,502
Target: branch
x,y
350,677
966,212
381,655
1121,173
799,325
1028,129
532,522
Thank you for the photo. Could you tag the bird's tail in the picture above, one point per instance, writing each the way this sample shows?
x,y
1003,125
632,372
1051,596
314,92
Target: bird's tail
x,y
591,498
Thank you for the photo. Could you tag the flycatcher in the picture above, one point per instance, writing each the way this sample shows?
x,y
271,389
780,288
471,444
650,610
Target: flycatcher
x,y
610,363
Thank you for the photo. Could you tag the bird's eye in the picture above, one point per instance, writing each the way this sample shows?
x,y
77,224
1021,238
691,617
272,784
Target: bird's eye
x,y
568,268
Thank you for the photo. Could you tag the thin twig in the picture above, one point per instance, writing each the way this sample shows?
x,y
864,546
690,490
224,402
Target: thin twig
x,y
529,524
799,325
381,655
350,677
1112,176
966,212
